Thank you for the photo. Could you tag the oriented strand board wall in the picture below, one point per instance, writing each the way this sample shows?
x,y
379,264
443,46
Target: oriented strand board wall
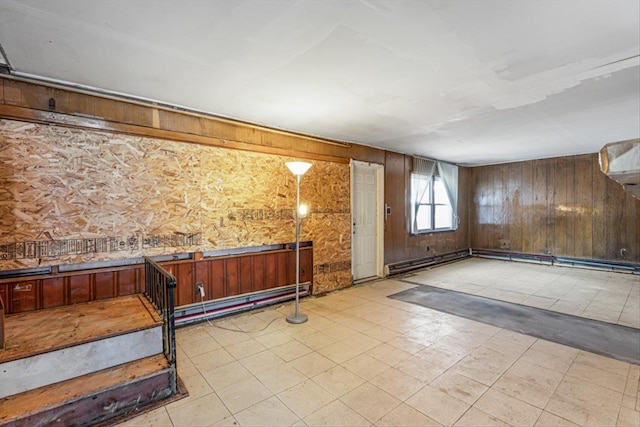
x,y
563,206
69,196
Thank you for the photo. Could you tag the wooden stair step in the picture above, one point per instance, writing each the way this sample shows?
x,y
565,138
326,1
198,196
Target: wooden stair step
x,y
91,398
50,329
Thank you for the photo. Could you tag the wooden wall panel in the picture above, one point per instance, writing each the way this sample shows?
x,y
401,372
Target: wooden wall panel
x,y
22,297
129,281
258,273
80,288
217,279
400,244
245,270
232,276
567,208
53,292
105,285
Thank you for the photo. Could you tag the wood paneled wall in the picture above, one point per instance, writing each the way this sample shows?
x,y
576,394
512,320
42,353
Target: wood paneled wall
x,y
221,276
400,244
562,206
28,101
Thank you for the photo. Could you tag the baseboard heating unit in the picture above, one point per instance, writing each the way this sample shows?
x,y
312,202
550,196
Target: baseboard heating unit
x,y
200,312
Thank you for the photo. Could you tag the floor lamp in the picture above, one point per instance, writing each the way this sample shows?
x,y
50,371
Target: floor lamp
x,y
298,169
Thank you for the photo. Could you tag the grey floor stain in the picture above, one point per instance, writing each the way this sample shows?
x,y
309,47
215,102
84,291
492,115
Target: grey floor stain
x,y
606,339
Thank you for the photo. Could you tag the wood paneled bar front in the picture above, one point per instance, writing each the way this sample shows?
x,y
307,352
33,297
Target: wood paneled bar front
x,y
221,276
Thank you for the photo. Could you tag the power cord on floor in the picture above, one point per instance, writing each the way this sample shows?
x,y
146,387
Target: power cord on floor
x,y
204,312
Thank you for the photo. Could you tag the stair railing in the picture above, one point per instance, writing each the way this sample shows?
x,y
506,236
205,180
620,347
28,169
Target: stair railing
x,y
159,288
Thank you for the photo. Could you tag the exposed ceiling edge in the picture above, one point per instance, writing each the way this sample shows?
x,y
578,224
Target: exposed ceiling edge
x,y
620,161
117,96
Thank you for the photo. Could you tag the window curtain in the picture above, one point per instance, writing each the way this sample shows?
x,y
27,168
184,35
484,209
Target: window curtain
x,y
424,167
449,176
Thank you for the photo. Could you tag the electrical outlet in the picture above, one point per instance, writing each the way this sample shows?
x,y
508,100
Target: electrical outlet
x,y
200,289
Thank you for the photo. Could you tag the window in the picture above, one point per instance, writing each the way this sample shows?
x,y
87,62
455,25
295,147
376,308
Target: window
x,y
432,209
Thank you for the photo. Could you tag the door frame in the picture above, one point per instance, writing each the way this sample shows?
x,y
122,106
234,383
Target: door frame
x,y
379,256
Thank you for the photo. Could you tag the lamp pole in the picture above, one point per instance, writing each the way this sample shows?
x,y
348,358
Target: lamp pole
x,y
298,169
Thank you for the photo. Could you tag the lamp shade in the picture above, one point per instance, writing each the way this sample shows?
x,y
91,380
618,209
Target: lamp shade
x,y
298,168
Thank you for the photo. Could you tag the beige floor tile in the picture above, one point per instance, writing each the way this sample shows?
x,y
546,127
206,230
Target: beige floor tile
x,y
406,416
305,398
197,387
225,338
483,365
440,357
365,366
203,411
466,341
585,403
291,350
547,360
354,322
628,418
317,340
269,412
613,366
341,332
474,417
192,334
459,386
262,361
158,417
336,414
186,368
510,410
312,364
340,352
243,394
506,346
226,375
321,323
397,384
273,339
338,381
437,405
245,348
388,354
209,361
370,402
196,348
548,419
419,368
587,372
230,421
281,378
408,345
382,334
529,383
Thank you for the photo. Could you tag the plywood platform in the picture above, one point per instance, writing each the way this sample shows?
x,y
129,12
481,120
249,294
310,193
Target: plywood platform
x,y
42,331
91,398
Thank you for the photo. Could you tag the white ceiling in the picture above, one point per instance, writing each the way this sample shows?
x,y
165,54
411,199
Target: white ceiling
x,y
471,82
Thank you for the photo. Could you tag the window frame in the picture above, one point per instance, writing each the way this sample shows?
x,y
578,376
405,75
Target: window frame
x,y
431,205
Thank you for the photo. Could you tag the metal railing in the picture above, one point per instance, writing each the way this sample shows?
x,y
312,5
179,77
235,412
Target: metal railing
x,y
159,288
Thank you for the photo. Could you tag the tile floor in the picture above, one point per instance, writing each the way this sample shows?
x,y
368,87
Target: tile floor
x,y
363,359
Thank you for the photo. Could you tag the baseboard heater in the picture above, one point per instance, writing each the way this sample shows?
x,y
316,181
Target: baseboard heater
x,y
512,256
629,267
195,313
415,264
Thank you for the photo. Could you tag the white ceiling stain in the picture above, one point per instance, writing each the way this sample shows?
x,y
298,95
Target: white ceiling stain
x,y
471,82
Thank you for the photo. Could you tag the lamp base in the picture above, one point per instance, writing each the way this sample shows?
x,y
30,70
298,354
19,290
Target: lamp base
x,y
297,318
